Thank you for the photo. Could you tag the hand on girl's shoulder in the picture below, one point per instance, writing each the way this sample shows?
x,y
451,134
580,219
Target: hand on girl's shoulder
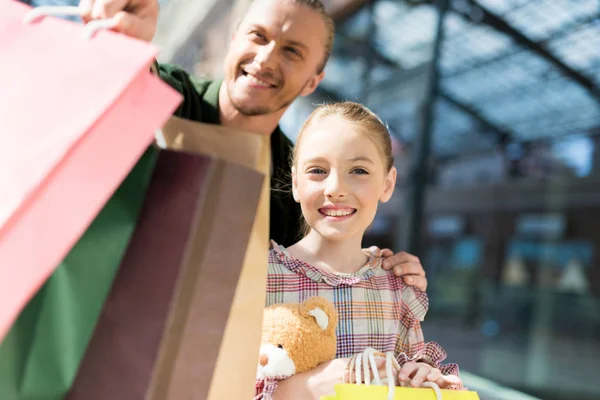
x,y
403,265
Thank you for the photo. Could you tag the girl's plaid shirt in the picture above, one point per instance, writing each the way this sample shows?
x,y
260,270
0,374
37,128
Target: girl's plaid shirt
x,y
376,309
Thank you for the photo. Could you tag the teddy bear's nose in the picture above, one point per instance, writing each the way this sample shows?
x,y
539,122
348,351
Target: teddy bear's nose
x,y
263,360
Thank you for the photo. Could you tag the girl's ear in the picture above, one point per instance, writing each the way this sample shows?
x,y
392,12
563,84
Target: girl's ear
x,y
388,186
295,185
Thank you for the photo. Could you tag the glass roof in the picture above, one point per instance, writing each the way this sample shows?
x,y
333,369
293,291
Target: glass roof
x,y
491,82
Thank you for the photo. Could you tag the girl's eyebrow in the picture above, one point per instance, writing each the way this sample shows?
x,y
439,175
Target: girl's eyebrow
x,y
315,160
361,158
352,159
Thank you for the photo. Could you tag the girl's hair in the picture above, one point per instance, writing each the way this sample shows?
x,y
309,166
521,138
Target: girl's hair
x,y
368,123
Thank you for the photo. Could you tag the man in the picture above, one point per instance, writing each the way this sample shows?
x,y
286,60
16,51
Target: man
x,y
277,53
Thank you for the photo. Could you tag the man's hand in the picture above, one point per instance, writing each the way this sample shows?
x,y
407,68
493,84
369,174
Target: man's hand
x,y
135,18
405,265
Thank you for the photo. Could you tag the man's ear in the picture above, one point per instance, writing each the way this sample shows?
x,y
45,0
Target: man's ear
x,y
312,84
388,186
295,185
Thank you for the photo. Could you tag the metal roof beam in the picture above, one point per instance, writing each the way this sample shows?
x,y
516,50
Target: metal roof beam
x,y
489,18
405,76
502,136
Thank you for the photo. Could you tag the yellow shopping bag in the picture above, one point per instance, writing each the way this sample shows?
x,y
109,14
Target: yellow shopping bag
x,y
371,392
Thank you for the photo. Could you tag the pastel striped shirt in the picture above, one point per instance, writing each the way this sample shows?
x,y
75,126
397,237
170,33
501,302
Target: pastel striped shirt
x,y
376,309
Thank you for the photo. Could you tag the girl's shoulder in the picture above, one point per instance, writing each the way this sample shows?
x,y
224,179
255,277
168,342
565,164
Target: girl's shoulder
x,y
279,255
415,301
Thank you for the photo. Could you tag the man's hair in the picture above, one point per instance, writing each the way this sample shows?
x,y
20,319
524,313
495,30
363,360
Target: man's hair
x,y
319,8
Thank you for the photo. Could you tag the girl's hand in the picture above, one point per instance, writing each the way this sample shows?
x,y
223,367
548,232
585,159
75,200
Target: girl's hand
x,y
415,373
313,384
350,374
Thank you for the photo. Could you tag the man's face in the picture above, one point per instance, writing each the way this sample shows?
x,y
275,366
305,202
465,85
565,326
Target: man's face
x,y
274,56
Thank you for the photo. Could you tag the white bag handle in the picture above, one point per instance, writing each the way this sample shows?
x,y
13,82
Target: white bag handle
x,y
368,357
90,28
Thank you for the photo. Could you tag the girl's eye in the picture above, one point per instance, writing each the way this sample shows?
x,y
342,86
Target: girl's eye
x,y
316,171
360,171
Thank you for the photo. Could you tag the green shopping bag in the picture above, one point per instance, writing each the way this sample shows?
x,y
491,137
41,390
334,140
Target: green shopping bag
x,y
40,356
372,392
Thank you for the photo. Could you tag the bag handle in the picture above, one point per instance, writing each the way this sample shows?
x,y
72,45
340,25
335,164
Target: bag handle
x,y
90,28
368,357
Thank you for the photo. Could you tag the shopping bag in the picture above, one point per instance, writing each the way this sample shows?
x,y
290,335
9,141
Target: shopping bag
x,y
375,392
75,117
184,314
40,355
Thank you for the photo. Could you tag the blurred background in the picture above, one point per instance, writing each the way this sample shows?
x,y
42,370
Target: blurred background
x,y
494,109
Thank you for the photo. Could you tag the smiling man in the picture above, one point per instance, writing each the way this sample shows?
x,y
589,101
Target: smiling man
x,y
277,53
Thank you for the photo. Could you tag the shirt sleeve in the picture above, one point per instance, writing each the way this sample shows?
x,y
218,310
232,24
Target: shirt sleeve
x,y
411,344
188,86
265,389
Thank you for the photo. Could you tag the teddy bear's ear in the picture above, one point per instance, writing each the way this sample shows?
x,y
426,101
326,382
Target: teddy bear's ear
x,y
321,317
322,310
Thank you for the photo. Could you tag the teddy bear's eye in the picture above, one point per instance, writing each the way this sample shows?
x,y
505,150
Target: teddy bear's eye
x,y
280,346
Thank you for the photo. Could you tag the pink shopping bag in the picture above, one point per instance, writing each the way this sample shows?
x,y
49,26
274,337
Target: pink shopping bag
x,y
76,114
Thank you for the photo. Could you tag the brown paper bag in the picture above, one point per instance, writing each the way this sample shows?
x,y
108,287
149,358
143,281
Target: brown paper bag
x,y
183,319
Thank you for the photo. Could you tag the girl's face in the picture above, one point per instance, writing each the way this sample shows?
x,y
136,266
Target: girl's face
x,y
339,178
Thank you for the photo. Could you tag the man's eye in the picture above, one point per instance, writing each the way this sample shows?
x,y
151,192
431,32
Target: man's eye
x,y
360,171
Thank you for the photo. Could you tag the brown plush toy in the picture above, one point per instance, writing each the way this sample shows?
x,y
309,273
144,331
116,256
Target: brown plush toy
x,y
297,337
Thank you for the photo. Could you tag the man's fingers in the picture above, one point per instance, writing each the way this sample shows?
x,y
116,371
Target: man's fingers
x,y
134,26
134,18
412,268
104,9
420,282
85,9
409,268
399,258
385,253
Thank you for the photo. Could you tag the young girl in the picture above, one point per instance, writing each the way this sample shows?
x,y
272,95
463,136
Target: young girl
x,y
342,168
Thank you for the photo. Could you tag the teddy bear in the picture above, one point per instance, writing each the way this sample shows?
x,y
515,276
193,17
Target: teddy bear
x,y
296,338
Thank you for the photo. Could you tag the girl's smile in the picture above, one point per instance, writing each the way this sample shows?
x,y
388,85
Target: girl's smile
x,y
337,213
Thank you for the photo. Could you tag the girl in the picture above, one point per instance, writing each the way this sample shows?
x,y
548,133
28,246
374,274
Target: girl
x,y
342,168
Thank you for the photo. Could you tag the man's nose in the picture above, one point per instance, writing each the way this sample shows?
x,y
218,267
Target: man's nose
x,y
265,56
